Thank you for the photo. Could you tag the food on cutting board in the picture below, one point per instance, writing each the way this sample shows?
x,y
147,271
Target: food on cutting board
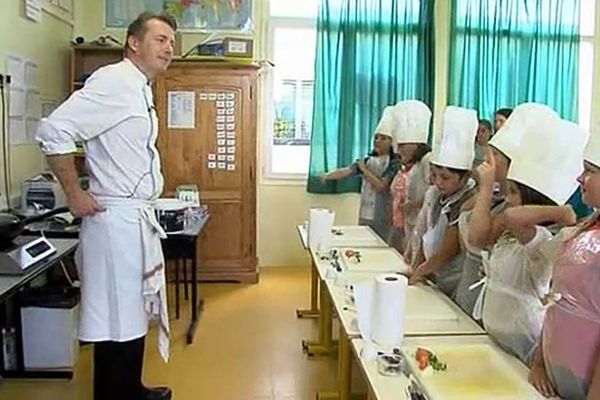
x,y
428,362
353,255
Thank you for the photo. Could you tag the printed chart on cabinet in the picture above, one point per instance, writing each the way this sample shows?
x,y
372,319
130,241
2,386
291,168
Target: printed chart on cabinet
x,y
182,115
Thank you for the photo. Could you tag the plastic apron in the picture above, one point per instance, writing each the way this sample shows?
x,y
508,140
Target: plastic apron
x,y
467,291
571,336
471,283
375,207
517,282
448,276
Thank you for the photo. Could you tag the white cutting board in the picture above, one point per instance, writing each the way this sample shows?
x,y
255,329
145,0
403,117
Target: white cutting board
x,y
425,303
475,371
355,235
374,259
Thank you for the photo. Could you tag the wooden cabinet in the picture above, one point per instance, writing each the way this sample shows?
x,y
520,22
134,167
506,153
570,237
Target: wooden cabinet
x,y
218,155
86,59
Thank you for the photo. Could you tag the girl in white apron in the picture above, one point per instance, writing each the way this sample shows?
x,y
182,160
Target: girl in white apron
x,y
411,182
377,171
477,234
512,305
567,361
451,162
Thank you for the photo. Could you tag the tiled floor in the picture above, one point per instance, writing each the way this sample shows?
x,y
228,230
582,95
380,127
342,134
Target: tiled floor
x,y
247,347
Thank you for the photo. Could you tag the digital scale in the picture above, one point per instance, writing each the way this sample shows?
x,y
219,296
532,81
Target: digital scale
x,y
15,260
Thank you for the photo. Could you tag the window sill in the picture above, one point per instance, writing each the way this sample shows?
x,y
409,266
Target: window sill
x,y
284,180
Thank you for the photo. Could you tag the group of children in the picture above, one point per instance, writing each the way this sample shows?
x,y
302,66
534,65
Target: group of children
x,y
486,218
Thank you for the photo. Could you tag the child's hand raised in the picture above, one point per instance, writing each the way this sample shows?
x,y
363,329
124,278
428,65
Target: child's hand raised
x,y
487,171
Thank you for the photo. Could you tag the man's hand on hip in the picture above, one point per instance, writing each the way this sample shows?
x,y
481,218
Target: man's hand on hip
x,y
83,204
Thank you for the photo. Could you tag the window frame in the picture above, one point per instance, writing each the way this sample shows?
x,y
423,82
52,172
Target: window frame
x,y
269,109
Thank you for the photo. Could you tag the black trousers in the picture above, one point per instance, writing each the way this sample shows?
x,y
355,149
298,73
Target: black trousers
x,y
118,370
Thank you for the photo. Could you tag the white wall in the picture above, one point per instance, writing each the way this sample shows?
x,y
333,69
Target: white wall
x,y
47,44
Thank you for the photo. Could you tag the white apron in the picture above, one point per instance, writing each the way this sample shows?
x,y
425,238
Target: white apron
x,y
517,281
121,267
434,236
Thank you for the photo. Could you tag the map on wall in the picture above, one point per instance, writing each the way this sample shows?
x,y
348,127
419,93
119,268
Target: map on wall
x,y
190,14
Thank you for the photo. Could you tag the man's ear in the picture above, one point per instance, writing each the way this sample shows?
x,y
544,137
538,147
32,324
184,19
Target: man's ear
x,y
133,43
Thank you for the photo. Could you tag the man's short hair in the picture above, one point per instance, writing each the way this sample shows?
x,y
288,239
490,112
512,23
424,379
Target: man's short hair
x,y
139,26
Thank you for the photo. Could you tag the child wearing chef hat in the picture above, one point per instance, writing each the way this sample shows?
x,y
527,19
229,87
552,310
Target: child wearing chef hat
x,y
567,361
517,277
377,171
451,163
411,182
527,120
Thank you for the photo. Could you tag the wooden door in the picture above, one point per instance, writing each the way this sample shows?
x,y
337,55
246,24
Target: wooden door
x,y
219,156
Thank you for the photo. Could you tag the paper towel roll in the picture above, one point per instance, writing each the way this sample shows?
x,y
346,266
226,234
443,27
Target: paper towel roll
x,y
320,223
388,309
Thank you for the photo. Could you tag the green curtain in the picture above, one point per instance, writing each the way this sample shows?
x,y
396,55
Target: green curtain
x,y
506,52
370,54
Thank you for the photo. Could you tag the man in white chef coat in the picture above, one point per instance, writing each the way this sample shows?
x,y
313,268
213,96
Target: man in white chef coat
x,y
119,257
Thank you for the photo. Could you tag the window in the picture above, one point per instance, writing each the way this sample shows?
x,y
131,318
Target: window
x,y
292,35
586,62
506,52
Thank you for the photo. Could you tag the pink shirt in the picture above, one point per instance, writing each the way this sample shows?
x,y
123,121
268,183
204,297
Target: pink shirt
x,y
399,189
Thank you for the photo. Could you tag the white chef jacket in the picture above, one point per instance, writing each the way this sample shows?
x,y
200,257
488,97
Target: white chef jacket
x,y
114,115
119,258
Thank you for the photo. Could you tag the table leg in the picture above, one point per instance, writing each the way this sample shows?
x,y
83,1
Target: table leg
x,y
177,266
196,305
325,345
186,282
313,311
344,371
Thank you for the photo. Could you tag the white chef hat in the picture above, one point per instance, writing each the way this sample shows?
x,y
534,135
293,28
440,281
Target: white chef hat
x,y
526,119
454,145
551,166
413,118
387,124
592,150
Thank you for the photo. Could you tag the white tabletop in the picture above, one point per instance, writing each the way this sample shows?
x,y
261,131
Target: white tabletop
x,y
351,235
396,261
394,388
428,311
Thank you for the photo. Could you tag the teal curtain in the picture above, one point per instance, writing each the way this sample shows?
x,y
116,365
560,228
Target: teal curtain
x,y
506,52
370,54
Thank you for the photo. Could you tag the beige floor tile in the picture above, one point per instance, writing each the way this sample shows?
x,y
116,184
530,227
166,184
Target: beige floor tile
x,y
247,347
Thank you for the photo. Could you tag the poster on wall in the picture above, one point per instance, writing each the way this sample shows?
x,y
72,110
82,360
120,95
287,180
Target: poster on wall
x,y
230,15
182,110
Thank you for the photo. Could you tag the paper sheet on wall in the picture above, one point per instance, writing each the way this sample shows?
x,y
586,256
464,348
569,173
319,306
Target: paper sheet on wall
x,y
31,74
17,131
15,67
182,110
33,10
33,106
31,125
16,103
